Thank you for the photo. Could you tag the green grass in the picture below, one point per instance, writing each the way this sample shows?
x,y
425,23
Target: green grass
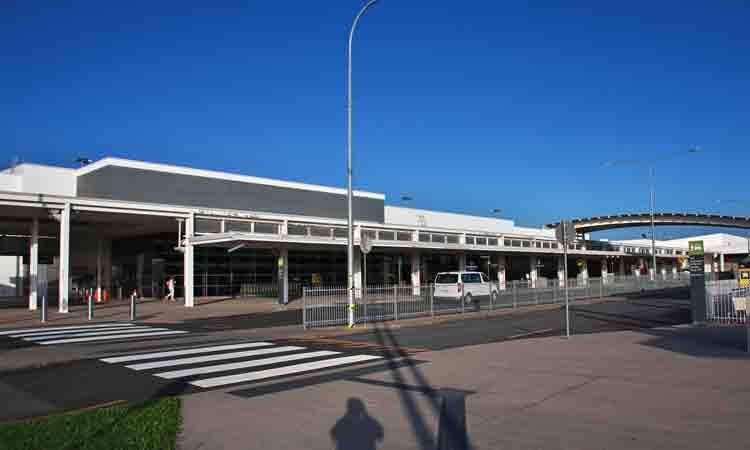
x,y
150,425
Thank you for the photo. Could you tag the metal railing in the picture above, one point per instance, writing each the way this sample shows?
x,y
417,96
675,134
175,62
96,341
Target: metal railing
x,y
726,302
328,306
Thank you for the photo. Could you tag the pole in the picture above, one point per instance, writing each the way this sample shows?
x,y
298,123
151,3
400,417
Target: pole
x,y
350,231
652,272
44,308
132,307
565,257
91,308
364,281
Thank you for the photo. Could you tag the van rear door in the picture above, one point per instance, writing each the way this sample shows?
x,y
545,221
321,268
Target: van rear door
x,y
446,285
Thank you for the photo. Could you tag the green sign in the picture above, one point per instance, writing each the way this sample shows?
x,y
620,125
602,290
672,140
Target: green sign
x,y
695,248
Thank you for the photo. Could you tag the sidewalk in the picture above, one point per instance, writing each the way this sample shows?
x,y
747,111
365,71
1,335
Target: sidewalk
x,y
654,389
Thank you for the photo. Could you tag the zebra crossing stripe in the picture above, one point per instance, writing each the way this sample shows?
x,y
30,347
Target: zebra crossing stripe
x,y
189,351
286,370
109,337
209,358
64,332
243,364
70,327
95,333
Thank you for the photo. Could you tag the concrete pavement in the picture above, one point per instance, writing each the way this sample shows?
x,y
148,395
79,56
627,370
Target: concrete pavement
x,y
660,388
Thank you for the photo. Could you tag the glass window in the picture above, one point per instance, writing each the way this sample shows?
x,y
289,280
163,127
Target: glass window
x,y
320,231
481,241
294,229
484,278
538,244
545,245
266,228
471,278
506,242
340,232
424,237
447,278
235,225
386,235
452,239
403,236
515,243
372,234
554,245
469,240
492,242
207,226
525,244
438,238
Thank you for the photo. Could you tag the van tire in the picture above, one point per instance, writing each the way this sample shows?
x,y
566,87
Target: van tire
x,y
467,299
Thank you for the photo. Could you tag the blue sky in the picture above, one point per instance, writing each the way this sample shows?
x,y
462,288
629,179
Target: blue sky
x,y
464,106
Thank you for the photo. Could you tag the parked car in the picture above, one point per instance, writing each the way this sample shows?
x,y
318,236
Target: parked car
x,y
469,286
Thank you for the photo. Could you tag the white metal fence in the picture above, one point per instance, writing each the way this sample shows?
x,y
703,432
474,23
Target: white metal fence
x,y
328,306
726,301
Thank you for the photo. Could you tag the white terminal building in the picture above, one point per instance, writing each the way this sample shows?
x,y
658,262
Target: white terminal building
x,y
116,226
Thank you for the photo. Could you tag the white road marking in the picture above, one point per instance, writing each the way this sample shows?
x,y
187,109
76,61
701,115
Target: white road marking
x,y
189,351
70,327
286,370
104,338
71,332
209,358
243,364
95,333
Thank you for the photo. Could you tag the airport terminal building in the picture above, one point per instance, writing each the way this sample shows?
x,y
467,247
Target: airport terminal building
x,y
117,226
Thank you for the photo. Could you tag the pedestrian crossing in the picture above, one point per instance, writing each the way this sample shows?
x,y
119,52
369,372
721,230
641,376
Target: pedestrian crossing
x,y
220,365
72,334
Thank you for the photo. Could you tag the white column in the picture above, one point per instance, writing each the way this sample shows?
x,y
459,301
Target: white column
x,y
188,268
605,270
721,262
99,257
284,272
357,272
64,259
34,264
622,266
416,261
501,271
674,270
533,260
585,270
561,270
462,262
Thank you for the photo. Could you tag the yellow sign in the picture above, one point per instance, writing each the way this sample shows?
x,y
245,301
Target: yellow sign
x,y
316,279
280,262
744,278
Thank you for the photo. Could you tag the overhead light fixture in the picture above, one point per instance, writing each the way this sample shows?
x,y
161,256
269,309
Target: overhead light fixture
x,y
235,248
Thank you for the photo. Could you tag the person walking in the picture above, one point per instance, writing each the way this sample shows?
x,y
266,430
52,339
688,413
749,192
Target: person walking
x,y
170,289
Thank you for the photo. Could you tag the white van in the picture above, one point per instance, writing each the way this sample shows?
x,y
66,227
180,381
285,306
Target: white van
x,y
467,285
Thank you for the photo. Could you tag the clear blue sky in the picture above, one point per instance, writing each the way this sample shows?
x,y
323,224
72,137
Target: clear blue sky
x,y
465,106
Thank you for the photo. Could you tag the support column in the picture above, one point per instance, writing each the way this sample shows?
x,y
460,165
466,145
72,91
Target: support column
x,y
34,264
674,270
605,270
462,262
19,277
533,261
416,261
99,258
663,272
283,266
188,267
721,262
622,266
561,270
585,270
107,268
357,272
140,263
64,281
501,272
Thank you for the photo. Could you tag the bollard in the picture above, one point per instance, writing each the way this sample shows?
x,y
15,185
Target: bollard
x,y
132,307
91,308
44,308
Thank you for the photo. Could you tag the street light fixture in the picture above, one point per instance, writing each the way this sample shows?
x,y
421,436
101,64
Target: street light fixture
x,y
350,230
651,165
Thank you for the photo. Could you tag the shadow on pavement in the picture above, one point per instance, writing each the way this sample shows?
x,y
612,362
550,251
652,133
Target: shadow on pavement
x,y
447,404
725,342
356,429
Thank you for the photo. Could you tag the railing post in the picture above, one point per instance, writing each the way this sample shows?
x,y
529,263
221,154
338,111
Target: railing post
x,y
44,308
432,301
132,307
395,304
91,308
304,308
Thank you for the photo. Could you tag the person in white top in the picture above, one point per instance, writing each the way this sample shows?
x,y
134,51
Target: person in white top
x,y
170,289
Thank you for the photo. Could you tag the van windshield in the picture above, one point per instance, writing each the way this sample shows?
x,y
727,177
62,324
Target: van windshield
x,y
447,278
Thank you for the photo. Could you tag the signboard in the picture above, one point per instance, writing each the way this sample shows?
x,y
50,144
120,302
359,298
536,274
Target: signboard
x,y
365,244
570,232
744,278
696,252
315,279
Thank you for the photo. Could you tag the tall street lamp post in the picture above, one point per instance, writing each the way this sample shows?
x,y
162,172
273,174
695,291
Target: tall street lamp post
x,y
651,165
350,230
